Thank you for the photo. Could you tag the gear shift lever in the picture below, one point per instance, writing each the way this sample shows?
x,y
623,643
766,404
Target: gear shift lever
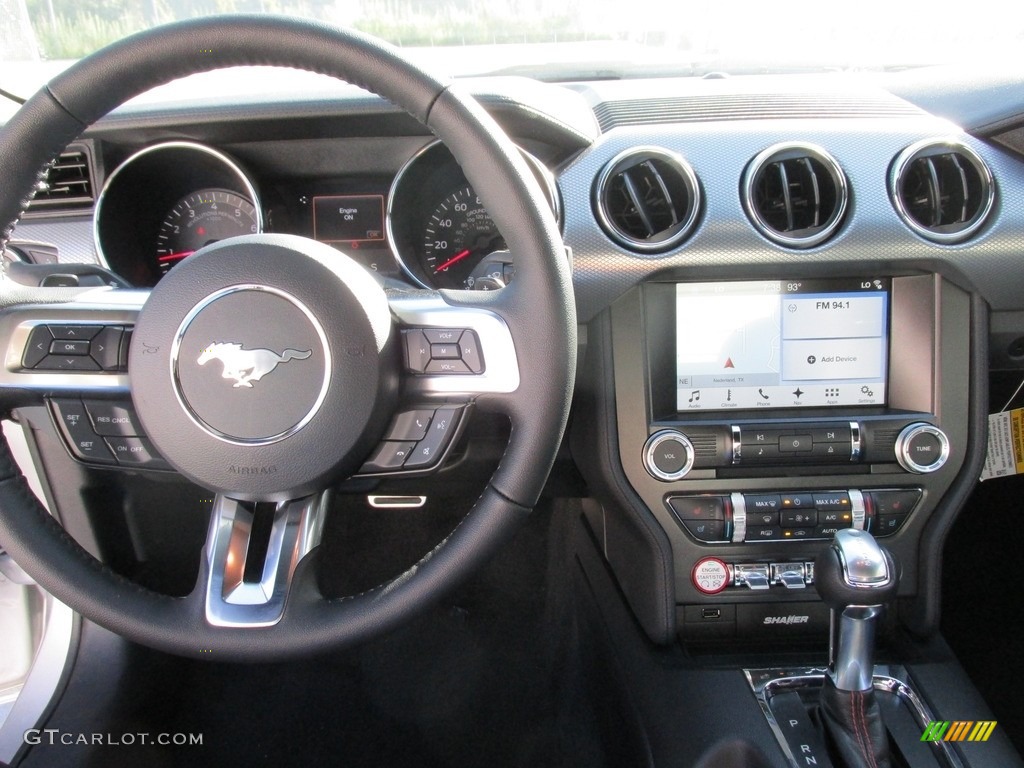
x,y
855,578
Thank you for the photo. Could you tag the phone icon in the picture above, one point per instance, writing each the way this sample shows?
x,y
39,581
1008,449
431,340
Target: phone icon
x,y
762,394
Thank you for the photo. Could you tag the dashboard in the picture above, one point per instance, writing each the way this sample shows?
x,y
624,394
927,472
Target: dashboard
x,y
785,286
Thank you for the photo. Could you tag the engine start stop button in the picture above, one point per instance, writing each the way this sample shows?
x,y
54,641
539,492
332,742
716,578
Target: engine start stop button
x,y
710,575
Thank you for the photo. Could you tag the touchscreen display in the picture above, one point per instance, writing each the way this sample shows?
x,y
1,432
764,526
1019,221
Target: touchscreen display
x,y
781,344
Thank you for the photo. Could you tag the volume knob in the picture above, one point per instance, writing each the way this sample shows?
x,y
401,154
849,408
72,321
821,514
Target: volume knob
x,y
922,448
668,455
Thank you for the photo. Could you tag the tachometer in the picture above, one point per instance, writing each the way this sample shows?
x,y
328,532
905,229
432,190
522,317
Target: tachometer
x,y
458,234
202,218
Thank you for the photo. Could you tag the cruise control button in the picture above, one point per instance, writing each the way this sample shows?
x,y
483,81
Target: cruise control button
x,y
429,450
67,363
113,419
74,423
136,452
470,348
105,348
38,346
410,425
389,456
69,347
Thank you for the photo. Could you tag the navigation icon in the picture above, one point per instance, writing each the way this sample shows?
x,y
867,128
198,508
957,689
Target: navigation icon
x,y
798,392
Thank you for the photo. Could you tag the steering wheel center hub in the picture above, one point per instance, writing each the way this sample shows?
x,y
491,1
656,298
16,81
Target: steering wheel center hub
x,y
251,364
264,367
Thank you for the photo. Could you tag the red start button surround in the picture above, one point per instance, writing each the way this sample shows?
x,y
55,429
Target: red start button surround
x,y
710,575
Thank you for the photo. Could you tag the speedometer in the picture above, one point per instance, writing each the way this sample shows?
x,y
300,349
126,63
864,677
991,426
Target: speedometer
x,y
458,234
202,218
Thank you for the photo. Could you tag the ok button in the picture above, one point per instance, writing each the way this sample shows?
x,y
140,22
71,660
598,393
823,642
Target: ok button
x,y
69,347
795,443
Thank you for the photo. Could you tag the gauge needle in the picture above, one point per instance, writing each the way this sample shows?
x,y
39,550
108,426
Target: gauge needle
x,y
456,258
174,256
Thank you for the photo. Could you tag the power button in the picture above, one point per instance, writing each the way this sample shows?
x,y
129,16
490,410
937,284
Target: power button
x,y
668,455
710,575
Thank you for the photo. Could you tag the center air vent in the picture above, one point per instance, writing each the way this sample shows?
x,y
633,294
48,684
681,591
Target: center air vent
x,y
68,183
942,190
795,194
647,199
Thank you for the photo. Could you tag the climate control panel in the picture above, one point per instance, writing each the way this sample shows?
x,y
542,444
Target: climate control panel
x,y
737,518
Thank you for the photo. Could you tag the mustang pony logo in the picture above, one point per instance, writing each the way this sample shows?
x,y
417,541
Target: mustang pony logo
x,y
247,365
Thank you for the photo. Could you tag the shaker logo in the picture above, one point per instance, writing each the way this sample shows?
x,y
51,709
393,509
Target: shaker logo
x,y
786,619
247,365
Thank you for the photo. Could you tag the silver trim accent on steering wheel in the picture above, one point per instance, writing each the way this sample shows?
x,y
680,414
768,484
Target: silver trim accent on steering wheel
x,y
231,601
105,306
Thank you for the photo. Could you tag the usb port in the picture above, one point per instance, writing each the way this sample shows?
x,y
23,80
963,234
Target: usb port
x,y
711,613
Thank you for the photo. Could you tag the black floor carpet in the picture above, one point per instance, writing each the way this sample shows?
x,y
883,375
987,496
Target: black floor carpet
x,y
498,675
982,613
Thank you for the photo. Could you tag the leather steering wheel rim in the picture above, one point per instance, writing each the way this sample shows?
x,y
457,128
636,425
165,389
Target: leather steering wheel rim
x,y
538,308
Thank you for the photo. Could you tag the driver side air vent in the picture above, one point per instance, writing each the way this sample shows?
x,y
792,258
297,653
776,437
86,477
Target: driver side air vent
x,y
68,184
795,194
647,199
942,190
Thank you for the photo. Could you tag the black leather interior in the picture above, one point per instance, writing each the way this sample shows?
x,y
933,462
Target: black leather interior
x,y
538,309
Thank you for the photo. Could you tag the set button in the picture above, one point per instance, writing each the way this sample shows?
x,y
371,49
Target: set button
x,y
105,432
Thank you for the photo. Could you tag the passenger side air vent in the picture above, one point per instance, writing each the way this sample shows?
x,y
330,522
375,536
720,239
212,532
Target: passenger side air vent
x,y
647,199
68,183
795,194
942,190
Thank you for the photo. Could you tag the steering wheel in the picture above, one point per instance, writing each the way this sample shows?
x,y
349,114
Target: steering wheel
x,y
269,435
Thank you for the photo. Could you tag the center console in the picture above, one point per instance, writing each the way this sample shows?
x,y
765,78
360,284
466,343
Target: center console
x,y
753,419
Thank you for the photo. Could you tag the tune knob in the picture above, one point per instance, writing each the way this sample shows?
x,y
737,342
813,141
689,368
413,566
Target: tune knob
x,y
668,455
922,448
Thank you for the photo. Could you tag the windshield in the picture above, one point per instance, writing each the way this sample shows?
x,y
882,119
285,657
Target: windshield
x,y
559,39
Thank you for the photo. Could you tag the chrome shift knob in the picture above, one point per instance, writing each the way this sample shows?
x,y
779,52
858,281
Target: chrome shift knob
x,y
855,577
